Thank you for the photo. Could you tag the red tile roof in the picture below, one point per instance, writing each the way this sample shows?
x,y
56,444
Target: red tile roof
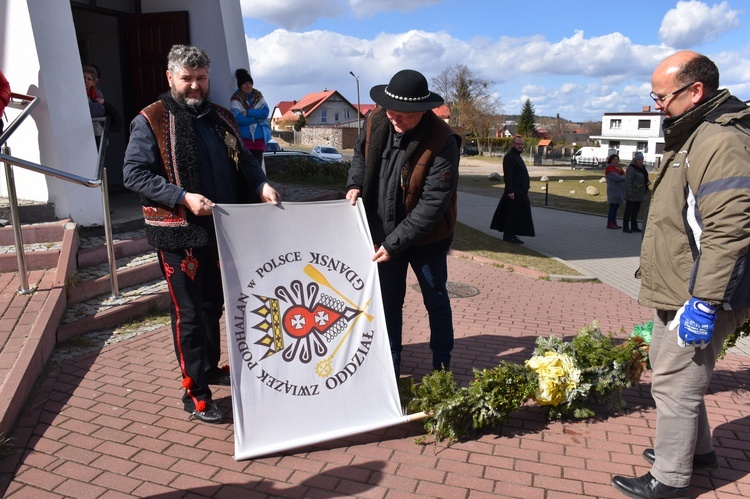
x,y
443,112
284,106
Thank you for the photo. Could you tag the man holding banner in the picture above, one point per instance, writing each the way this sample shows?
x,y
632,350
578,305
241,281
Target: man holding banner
x,y
405,169
185,154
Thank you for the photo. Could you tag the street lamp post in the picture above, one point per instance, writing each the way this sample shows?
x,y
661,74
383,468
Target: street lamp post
x,y
359,121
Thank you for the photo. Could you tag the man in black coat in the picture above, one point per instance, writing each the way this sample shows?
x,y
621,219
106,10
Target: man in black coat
x,y
405,171
513,214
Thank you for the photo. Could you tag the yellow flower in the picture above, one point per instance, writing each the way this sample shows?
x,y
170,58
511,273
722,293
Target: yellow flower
x,y
557,377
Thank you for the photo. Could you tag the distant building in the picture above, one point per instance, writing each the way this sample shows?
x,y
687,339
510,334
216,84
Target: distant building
x,y
508,130
443,112
542,132
326,108
625,134
364,109
279,111
578,137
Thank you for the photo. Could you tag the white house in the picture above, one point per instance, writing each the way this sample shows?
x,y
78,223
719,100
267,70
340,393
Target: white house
x,y
44,44
627,133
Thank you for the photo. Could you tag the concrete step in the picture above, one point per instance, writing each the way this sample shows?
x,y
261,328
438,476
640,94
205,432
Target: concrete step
x,y
91,305
29,212
92,250
104,311
131,271
41,245
34,233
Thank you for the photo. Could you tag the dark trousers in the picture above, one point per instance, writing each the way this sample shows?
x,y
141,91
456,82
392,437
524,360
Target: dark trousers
x,y
612,214
431,269
194,281
629,219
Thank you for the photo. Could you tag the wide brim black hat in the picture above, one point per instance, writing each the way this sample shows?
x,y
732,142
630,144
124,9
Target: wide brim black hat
x,y
406,92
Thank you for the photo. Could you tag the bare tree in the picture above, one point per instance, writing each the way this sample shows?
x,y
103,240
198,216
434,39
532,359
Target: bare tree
x,y
480,118
556,127
473,107
592,127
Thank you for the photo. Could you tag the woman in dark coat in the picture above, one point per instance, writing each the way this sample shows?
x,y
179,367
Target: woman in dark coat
x,y
636,192
513,214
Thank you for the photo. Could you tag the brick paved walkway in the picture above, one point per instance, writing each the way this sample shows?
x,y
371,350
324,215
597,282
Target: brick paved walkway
x,y
109,423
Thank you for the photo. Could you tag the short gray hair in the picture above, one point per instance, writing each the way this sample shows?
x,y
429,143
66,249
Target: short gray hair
x,y
91,70
187,56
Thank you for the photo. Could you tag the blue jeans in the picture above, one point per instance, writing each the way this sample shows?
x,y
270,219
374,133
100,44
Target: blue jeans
x,y
431,269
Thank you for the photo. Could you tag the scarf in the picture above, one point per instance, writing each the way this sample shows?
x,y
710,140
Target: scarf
x,y
248,101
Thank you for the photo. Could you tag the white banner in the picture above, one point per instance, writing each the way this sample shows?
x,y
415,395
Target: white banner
x,y
308,347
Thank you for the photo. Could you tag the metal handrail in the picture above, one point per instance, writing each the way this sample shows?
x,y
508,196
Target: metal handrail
x,y
27,103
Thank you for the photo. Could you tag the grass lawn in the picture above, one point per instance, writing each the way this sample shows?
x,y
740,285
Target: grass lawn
x,y
470,240
570,194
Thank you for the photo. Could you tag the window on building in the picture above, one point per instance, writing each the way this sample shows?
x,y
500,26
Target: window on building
x,y
336,117
614,144
642,146
644,124
347,114
323,116
615,123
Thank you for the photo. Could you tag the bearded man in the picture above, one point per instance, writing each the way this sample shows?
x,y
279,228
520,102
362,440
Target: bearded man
x,y
185,154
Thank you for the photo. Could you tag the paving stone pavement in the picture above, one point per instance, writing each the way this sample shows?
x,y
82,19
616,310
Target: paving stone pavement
x,y
109,422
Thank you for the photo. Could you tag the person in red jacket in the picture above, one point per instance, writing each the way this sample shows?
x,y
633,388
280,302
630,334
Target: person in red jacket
x,y
4,96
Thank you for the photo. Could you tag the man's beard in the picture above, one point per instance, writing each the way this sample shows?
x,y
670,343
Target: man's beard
x,y
191,101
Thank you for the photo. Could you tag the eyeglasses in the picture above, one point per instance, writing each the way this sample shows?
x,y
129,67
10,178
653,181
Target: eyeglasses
x,y
664,99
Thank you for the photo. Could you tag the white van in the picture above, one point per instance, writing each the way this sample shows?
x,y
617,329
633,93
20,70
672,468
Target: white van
x,y
587,156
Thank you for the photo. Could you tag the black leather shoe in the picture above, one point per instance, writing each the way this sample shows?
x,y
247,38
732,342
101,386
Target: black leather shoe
x,y
212,414
648,487
513,240
701,462
219,377
627,231
636,230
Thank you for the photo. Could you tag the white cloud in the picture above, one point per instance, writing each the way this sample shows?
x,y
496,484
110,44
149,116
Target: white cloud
x,y
299,14
291,14
692,23
575,76
367,8
305,62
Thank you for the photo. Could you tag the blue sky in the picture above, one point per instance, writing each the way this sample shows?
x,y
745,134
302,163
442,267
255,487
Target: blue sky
x,y
579,59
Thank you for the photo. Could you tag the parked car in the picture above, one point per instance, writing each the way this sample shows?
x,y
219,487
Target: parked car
x,y
587,156
279,162
273,146
328,153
